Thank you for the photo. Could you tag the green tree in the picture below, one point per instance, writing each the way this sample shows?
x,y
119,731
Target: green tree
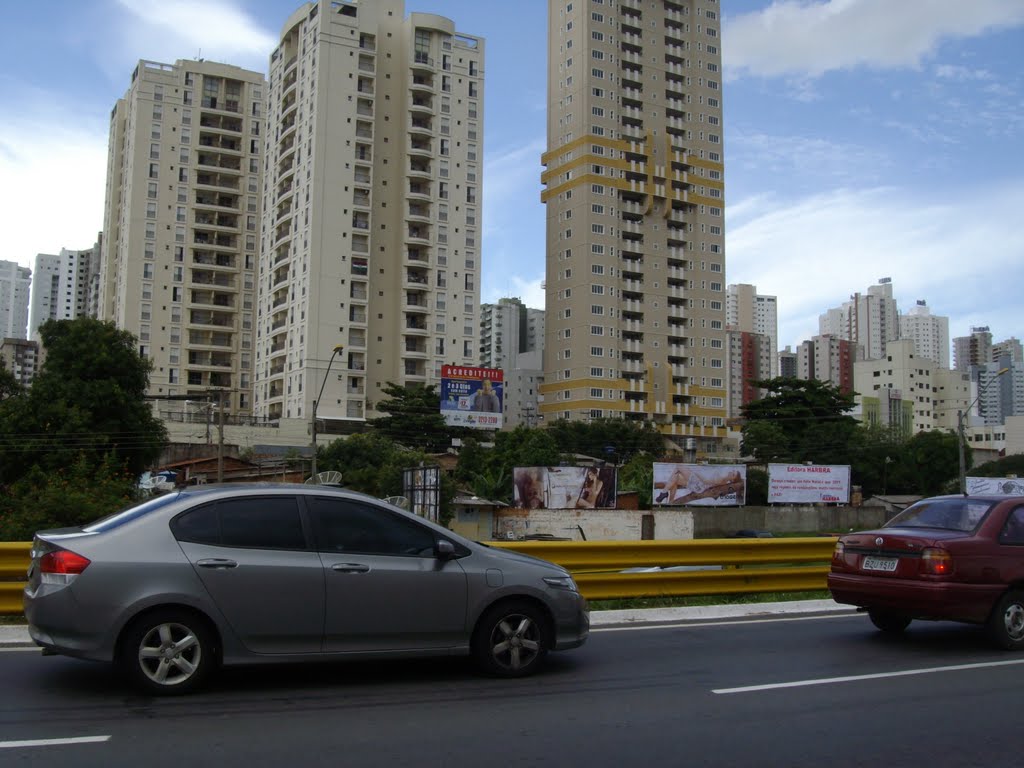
x,y
82,492
87,399
637,474
9,384
931,461
808,422
359,458
615,440
414,418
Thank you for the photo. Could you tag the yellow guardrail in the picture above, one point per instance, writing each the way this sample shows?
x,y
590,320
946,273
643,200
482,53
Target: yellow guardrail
x,y
746,566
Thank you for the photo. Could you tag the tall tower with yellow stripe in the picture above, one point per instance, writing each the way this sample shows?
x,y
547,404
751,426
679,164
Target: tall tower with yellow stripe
x,y
634,192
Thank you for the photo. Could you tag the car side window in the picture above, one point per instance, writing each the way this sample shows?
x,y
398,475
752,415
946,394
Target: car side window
x,y
1013,530
261,522
347,525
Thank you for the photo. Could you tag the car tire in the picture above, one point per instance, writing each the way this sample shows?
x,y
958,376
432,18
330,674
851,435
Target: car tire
x,y
511,639
1006,624
167,652
888,622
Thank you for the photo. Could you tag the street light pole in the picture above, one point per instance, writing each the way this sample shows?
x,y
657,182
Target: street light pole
x,y
334,353
961,441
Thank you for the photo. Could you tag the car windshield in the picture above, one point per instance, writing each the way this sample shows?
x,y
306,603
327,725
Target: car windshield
x,y
132,512
958,514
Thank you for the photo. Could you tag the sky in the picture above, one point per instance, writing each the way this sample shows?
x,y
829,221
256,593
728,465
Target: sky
x,y
864,139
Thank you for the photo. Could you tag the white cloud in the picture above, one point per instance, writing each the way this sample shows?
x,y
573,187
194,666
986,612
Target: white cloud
x,y
53,167
960,253
962,74
216,30
807,38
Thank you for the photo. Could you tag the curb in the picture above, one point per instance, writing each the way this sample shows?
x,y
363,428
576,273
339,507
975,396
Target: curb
x,y
16,635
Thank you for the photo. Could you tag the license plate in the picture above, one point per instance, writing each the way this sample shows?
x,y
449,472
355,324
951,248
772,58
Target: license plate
x,y
887,564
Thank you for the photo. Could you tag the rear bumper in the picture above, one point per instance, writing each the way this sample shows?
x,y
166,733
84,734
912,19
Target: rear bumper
x,y
57,623
916,599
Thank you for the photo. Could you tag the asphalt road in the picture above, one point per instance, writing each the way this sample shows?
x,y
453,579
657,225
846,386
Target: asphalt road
x,y
821,691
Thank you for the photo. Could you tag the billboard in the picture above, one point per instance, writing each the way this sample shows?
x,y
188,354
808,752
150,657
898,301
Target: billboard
x,y
706,485
472,397
564,487
808,484
995,486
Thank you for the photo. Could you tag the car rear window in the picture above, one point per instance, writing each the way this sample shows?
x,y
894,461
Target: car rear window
x,y
959,514
130,513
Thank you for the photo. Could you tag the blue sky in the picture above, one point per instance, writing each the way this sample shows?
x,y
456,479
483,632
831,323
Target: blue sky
x,y
863,139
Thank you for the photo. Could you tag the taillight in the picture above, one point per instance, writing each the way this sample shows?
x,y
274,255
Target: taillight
x,y
936,562
61,566
838,552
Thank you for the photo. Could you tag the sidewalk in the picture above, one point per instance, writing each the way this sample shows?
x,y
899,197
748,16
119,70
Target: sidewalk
x,y
16,635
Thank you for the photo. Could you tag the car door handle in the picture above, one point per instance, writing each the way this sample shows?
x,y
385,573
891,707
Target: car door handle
x,y
217,562
350,568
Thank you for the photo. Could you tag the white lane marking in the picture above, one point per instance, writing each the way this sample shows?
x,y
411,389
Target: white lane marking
x,y
53,742
874,676
683,624
21,649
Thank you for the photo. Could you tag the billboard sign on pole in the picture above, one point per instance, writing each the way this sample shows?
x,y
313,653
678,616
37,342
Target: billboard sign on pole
x,y
808,484
565,487
705,485
472,397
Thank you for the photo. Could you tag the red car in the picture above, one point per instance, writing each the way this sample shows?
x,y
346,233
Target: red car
x,y
957,558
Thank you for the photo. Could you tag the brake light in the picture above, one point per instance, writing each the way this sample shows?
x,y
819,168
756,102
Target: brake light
x,y
936,562
838,552
61,566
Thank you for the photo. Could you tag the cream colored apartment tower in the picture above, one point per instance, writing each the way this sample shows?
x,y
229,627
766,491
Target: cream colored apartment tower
x,y
372,208
181,225
635,229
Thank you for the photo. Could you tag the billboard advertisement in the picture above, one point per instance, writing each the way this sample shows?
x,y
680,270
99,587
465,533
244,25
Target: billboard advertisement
x,y
564,487
995,486
808,484
472,397
706,485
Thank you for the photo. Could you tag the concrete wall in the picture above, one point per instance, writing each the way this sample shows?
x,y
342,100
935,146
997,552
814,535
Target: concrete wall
x,y
682,523
594,524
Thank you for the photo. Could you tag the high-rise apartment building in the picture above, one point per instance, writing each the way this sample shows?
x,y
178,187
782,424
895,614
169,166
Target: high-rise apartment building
x,y
789,363
65,286
749,312
868,320
1010,348
21,358
512,339
975,349
750,360
635,230
371,208
181,224
15,283
930,333
826,358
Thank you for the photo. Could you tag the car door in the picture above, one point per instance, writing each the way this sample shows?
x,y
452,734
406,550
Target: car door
x,y
385,588
252,555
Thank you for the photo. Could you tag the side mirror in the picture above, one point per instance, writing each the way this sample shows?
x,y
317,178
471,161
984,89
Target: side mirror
x,y
444,549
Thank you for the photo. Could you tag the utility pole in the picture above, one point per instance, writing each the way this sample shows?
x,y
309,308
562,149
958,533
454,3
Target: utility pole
x,y
220,436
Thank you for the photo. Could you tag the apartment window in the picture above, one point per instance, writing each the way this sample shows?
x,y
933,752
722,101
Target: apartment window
x,y
597,229
597,330
597,289
145,311
596,54
158,93
150,210
596,248
597,351
595,35
597,269
596,309
716,363
598,73
597,111
154,171
596,208
147,271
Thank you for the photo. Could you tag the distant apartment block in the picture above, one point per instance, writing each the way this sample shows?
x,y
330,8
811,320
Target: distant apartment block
x,y
975,349
868,320
750,360
21,358
15,284
897,391
181,224
372,205
930,333
789,363
999,395
634,195
512,339
746,310
65,286
1010,348
827,358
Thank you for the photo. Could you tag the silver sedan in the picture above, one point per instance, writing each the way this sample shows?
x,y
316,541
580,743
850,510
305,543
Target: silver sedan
x,y
172,588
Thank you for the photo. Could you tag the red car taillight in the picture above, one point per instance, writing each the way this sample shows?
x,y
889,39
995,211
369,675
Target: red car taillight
x,y
936,562
838,551
61,566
